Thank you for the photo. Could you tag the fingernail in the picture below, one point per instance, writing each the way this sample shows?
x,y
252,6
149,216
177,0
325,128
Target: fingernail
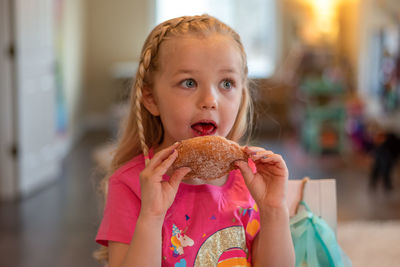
x,y
236,163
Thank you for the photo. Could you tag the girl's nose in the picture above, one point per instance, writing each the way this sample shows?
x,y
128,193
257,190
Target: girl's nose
x,y
208,99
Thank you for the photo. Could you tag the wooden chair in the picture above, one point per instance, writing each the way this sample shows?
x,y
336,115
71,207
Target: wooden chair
x,y
320,196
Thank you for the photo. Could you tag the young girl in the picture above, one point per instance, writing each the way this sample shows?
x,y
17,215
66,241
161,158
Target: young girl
x,y
192,81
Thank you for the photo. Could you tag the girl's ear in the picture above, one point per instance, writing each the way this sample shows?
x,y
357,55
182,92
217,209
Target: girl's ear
x,y
149,101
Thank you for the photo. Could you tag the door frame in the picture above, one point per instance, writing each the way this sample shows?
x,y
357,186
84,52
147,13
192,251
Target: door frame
x,y
8,133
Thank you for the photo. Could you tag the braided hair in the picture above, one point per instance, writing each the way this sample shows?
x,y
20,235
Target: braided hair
x,y
140,129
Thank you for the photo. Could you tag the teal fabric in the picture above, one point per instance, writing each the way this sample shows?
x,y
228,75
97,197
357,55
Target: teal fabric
x,y
315,242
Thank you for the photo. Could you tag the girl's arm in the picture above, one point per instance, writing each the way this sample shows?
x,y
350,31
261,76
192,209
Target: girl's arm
x,y
156,197
273,245
145,248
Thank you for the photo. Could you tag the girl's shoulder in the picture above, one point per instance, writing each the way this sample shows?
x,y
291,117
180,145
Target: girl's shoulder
x,y
129,170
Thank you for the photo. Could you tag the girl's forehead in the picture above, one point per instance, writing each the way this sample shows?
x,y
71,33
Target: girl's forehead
x,y
180,49
192,41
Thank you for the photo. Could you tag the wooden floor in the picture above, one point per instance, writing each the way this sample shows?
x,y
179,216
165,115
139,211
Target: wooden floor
x,y
57,226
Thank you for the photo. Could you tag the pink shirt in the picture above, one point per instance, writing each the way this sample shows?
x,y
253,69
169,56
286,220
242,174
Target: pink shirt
x,y
205,226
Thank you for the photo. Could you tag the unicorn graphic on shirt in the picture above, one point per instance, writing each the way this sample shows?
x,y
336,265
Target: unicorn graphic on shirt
x,y
179,241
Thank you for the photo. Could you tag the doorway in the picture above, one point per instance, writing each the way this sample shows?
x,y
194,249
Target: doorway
x,y
31,152
8,183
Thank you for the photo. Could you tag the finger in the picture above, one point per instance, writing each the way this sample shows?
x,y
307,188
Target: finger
x,y
261,154
163,154
253,150
164,165
272,158
177,176
246,171
270,161
276,163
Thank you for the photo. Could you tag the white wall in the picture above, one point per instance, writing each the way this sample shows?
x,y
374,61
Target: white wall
x,y
115,32
73,36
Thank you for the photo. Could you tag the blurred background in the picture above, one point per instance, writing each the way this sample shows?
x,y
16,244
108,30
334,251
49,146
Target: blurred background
x,y
326,84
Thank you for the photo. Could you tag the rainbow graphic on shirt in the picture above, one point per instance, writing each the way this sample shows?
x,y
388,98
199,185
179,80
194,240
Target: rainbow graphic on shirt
x,y
233,257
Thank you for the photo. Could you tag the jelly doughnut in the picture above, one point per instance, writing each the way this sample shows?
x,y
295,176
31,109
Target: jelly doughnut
x,y
209,157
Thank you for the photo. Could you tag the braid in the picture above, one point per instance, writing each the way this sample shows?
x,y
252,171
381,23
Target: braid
x,y
149,53
144,67
138,105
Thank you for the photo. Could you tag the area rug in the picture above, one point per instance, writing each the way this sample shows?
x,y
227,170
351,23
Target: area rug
x,y
370,243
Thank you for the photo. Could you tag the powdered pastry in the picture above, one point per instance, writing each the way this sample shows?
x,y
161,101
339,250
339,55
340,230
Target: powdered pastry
x,y
209,157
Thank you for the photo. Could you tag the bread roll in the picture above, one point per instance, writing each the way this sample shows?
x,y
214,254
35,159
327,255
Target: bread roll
x,y
209,157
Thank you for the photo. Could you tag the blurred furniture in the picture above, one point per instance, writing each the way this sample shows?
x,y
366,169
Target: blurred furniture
x,y
323,128
272,100
320,196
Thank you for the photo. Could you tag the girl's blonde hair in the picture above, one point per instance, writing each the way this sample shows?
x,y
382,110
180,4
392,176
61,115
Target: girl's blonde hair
x,y
140,129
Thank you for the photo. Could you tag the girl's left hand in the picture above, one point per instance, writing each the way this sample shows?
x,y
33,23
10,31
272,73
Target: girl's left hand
x,y
268,185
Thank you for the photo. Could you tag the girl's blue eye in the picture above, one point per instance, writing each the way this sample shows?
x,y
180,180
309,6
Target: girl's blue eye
x,y
188,83
227,84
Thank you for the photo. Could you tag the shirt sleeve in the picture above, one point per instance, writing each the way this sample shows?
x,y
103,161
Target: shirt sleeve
x,y
120,214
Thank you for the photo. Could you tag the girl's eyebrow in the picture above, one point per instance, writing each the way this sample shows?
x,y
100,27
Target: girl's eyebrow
x,y
192,71
228,70
184,71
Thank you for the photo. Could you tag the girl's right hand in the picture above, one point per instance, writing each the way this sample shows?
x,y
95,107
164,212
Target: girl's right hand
x,y
158,195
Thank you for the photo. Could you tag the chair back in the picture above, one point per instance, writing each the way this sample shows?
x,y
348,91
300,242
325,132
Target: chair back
x,y
320,195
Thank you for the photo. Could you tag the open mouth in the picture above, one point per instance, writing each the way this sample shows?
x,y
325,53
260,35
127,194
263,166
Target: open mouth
x,y
203,128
